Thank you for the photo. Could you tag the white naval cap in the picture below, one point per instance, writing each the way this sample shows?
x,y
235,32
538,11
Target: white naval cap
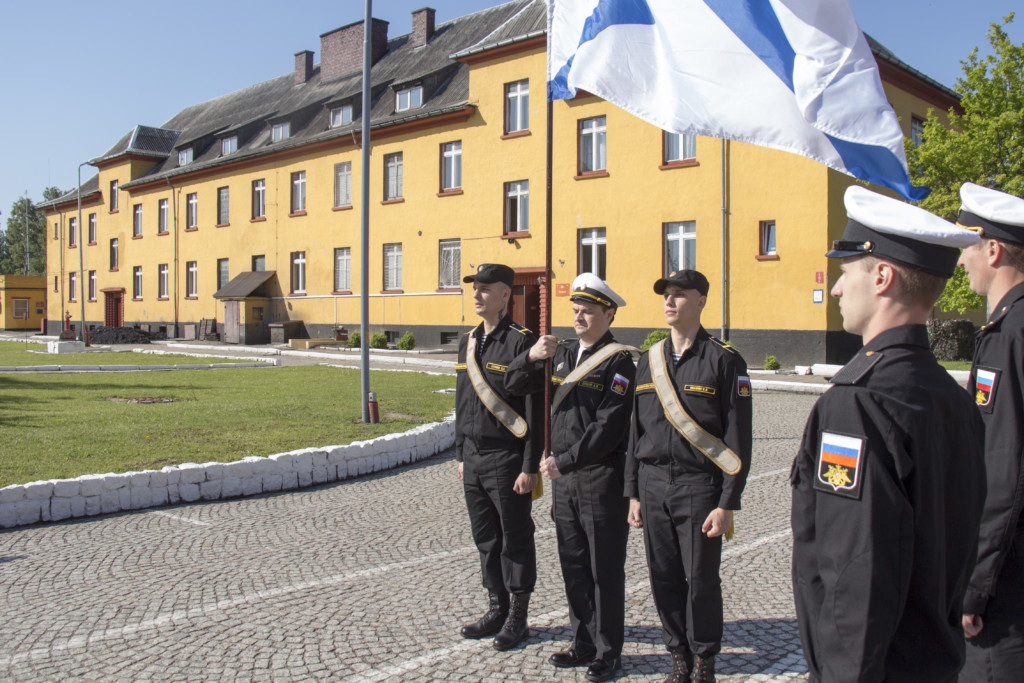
x,y
991,213
892,229
589,287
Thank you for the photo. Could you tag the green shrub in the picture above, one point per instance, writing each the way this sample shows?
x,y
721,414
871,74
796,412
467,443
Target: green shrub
x,y
354,340
771,363
379,341
407,342
653,338
951,339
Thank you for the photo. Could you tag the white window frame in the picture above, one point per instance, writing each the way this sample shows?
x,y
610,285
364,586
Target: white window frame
x,y
341,115
684,234
92,228
114,199
115,256
517,106
679,147
916,130
137,282
298,198
343,269
192,279
228,145
72,231
223,273
595,242
184,156
162,216
593,142
162,281
517,207
298,283
92,285
449,264
343,184
259,198
393,266
192,210
280,131
393,172
767,238
72,286
451,166
223,205
137,220
409,98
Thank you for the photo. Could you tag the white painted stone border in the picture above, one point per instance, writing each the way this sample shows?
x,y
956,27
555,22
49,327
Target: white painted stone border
x,y
99,494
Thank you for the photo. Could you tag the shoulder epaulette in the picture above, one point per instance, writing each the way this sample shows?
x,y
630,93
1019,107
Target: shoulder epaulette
x,y
519,328
725,345
854,371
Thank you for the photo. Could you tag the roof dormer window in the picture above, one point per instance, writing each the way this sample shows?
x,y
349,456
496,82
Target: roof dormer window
x,y
409,98
184,156
341,115
229,145
280,131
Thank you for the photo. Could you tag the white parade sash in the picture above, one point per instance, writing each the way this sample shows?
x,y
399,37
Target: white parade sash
x,y
718,452
497,407
584,369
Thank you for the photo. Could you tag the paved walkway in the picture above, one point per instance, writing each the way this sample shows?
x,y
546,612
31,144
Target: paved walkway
x,y
365,580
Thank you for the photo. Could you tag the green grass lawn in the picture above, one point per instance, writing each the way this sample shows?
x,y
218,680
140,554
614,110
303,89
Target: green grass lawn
x,y
64,425
956,364
17,354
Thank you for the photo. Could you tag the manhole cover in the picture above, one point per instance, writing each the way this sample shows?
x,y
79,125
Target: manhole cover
x,y
154,399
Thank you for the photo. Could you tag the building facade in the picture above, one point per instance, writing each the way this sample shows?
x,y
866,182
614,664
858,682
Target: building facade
x,y
268,180
22,302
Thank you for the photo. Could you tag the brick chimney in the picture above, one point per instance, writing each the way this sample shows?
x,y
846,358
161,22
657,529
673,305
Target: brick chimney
x,y
303,66
422,27
341,50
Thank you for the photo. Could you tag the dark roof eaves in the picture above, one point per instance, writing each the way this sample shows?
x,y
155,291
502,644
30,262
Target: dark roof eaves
x,y
477,49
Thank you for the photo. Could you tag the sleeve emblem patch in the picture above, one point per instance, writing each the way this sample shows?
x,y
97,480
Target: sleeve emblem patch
x,y
743,386
985,384
620,384
840,461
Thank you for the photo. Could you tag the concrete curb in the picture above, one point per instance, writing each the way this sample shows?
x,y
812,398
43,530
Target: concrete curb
x,y
125,368
99,494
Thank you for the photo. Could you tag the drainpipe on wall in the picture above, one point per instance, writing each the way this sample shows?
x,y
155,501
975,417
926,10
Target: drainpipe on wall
x,y
174,204
83,335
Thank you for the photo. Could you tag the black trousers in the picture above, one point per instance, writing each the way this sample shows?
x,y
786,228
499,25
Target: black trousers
x,y
590,522
997,653
682,561
500,519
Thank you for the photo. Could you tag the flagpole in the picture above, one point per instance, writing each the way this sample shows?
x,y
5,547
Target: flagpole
x,y
545,324
364,268
724,282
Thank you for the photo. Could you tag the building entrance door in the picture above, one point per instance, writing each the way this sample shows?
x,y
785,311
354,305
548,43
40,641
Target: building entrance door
x,y
231,335
113,308
524,306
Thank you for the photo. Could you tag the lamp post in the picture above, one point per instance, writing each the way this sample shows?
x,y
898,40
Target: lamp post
x,y
83,335
26,231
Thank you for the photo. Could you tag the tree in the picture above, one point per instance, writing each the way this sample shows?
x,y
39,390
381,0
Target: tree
x,y
984,145
12,241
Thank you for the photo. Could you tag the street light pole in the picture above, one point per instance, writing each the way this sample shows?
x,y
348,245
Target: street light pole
x,y
26,231
83,334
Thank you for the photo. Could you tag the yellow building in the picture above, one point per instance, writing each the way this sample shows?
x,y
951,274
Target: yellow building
x,y
22,302
267,180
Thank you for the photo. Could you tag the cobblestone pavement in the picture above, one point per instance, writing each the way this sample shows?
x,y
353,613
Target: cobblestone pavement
x,y
363,580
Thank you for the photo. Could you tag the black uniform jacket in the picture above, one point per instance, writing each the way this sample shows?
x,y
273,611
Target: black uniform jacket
x,y
997,383
712,383
888,488
592,422
473,422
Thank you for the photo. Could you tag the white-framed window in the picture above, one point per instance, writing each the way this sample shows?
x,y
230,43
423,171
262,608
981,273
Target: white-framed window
x,y
298,272
92,228
341,115
343,184
223,206
92,285
679,147
593,144
192,279
409,98
593,252
184,156
223,275
72,231
680,246
259,198
113,254
72,286
392,176
162,216
517,206
191,210
137,282
137,220
451,165
298,191
766,238
56,231
162,281
916,130
113,196
229,145
20,311
517,106
280,131
343,269
393,266
449,264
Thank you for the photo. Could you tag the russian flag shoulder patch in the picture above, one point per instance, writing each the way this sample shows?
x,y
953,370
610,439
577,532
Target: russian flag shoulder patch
x,y
840,465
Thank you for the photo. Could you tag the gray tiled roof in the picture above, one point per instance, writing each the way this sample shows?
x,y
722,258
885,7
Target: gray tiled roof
x,y
89,187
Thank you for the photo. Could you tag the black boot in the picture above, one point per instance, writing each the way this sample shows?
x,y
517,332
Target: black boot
x,y
704,669
515,628
490,623
682,664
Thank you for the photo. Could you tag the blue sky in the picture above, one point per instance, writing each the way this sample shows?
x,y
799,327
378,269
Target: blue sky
x,y
76,76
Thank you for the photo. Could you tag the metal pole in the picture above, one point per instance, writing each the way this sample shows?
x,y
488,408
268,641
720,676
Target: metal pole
x,y
364,269
26,231
83,336
723,293
545,323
